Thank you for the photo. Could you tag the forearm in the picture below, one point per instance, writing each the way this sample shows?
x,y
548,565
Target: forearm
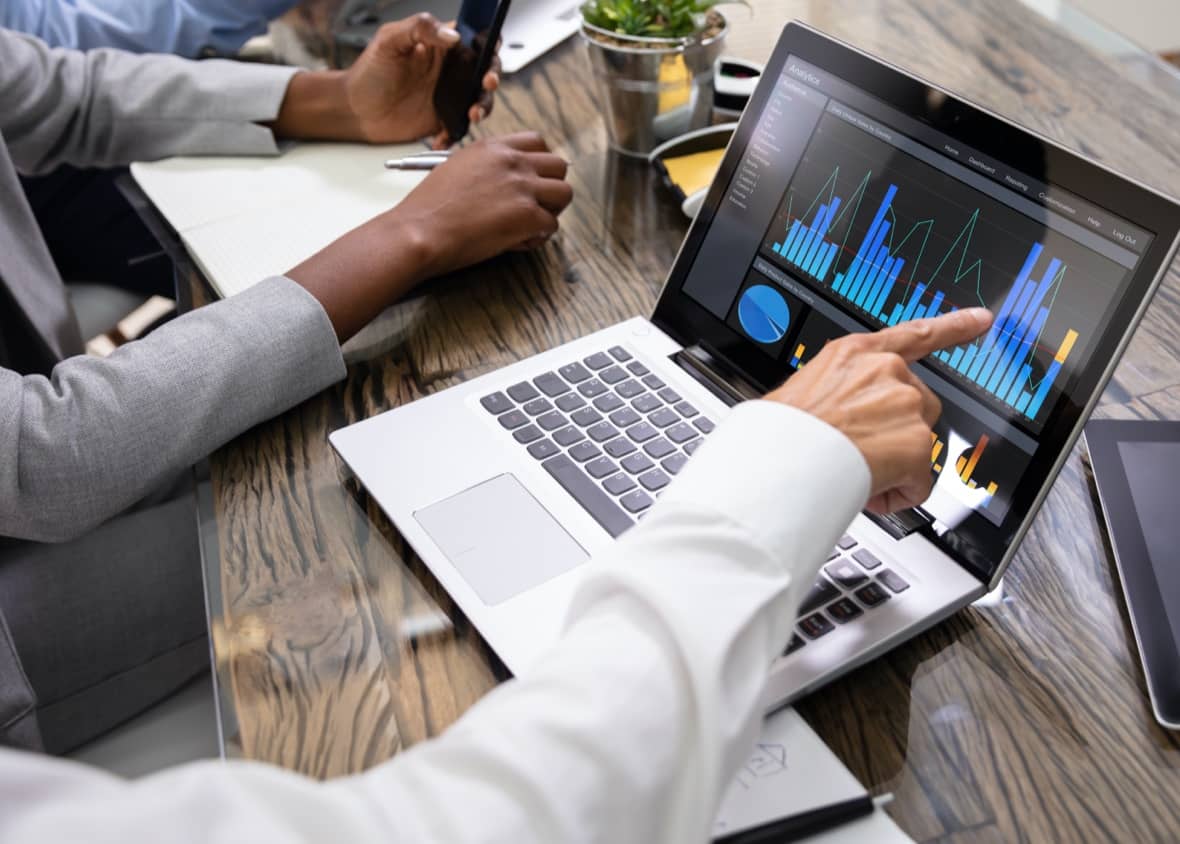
x,y
99,434
316,109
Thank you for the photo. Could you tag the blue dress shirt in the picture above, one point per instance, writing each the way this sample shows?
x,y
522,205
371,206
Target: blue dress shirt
x,y
185,27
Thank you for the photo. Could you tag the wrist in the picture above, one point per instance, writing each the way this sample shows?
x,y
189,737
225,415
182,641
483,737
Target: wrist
x,y
316,108
417,243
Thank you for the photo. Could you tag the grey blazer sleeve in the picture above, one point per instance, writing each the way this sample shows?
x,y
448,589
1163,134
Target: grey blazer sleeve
x,y
99,434
106,108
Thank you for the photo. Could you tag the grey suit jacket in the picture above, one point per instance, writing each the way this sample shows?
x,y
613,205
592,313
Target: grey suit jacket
x,y
95,436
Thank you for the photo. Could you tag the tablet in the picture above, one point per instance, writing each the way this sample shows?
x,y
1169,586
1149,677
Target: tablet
x,y
1136,466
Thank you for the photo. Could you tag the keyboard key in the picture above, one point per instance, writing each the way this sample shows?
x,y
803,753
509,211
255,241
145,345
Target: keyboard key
x,y
795,644
528,434
522,392
496,403
588,493
619,447
613,375
866,559
642,432
653,382
705,425
584,451
638,369
846,542
659,448
570,402
835,552
681,433
636,501
872,595
513,419
586,416
654,480
618,484
574,373
686,410
602,432
815,626
625,418
608,402
598,360
538,406
551,421
601,467
646,403
568,436
619,353
664,417
629,389
637,463
819,594
543,449
674,463
690,448
844,610
892,580
592,388
669,395
549,384
845,574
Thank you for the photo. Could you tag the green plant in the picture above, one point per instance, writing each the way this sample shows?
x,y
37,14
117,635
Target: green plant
x,y
650,18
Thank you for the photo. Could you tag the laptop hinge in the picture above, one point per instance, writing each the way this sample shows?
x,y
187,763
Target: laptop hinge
x,y
901,524
715,375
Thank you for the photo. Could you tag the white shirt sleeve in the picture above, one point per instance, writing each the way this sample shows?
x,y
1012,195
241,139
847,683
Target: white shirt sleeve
x,y
628,729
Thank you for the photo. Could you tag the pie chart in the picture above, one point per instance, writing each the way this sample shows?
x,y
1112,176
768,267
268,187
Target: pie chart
x,y
764,314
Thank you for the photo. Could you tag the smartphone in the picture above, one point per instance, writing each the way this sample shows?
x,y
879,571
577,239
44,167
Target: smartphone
x,y
460,81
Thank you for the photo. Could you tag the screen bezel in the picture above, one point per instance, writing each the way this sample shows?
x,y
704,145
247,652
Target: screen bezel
x,y
690,323
1158,648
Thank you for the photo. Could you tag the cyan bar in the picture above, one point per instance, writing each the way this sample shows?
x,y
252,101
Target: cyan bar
x,y
804,242
1013,329
935,304
776,248
956,357
968,356
908,313
827,262
921,312
866,248
882,266
792,236
1035,407
878,304
839,284
1021,353
1023,403
810,262
1005,310
1018,386
869,263
895,317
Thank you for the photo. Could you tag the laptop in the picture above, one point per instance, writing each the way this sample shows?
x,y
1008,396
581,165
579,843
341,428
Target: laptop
x,y
532,28
853,196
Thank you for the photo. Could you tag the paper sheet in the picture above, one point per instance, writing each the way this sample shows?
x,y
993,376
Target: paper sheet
x,y
245,219
790,771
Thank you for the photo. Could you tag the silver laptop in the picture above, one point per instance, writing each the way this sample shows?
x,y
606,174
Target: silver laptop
x,y
532,28
852,197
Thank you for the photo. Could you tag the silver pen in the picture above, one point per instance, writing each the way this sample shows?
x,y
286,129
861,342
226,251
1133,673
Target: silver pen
x,y
419,161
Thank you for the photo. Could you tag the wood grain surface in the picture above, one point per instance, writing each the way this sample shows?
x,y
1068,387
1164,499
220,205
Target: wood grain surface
x,y
1023,718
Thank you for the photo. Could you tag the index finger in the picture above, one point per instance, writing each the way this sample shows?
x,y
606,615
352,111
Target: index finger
x,y
914,340
525,142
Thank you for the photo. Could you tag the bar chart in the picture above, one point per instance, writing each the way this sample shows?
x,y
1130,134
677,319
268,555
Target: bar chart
x,y
965,465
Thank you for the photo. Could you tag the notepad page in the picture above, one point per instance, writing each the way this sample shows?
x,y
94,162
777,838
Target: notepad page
x,y
244,219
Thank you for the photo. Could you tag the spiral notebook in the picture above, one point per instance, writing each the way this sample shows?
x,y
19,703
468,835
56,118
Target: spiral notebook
x,y
244,219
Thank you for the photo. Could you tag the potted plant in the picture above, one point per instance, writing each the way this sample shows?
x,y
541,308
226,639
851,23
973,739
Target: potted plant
x,y
653,66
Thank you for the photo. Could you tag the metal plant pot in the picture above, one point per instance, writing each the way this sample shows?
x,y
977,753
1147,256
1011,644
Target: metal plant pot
x,y
652,89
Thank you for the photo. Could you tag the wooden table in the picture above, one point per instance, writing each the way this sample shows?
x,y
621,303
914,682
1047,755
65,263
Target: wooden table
x,y
1024,718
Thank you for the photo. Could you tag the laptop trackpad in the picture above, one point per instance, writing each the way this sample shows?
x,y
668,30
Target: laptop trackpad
x,y
500,538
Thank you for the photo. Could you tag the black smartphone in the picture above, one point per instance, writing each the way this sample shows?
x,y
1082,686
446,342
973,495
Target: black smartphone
x,y
461,79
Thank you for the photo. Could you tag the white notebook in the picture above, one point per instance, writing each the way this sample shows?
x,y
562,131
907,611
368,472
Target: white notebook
x,y
247,219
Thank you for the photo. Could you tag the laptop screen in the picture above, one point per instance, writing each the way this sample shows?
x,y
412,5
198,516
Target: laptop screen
x,y
842,212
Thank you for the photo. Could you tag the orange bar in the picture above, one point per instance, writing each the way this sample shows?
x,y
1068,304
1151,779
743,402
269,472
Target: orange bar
x,y
991,488
937,467
799,351
936,451
965,473
959,465
1071,337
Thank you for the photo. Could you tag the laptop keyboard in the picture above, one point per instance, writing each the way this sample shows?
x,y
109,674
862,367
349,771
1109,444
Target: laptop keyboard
x,y
852,582
607,429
